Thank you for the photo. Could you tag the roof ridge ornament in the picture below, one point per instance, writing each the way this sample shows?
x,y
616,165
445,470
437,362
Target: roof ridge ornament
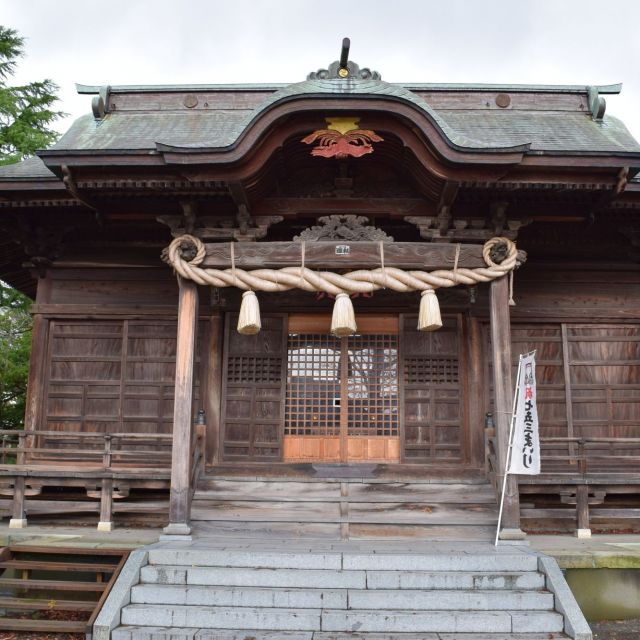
x,y
597,104
344,69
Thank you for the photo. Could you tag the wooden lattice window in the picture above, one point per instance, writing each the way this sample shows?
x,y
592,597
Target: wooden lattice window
x,y
372,385
313,385
333,382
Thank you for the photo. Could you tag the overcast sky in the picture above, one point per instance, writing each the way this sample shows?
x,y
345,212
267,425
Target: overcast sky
x,y
240,41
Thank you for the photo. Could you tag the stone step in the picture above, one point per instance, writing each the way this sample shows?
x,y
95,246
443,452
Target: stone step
x,y
341,598
159,575
223,617
363,621
440,621
450,600
240,596
172,633
499,561
337,635
133,632
231,576
459,580
241,558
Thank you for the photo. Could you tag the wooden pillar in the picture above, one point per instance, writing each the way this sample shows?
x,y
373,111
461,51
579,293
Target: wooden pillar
x,y
179,501
213,393
476,373
503,402
582,511
18,518
106,505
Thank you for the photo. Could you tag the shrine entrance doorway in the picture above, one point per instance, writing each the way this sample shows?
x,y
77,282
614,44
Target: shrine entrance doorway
x,y
390,393
342,394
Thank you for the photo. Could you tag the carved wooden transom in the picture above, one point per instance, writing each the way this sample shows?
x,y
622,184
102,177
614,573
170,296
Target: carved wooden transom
x,y
344,227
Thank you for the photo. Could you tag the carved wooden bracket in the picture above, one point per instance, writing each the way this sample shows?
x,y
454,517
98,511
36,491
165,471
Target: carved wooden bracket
x,y
467,229
226,228
632,233
41,243
344,227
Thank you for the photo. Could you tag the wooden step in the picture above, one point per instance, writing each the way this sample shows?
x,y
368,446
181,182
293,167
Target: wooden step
x,y
35,604
52,585
45,565
369,512
261,491
45,626
74,551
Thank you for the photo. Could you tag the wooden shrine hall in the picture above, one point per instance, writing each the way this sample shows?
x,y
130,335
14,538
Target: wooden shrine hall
x,y
328,281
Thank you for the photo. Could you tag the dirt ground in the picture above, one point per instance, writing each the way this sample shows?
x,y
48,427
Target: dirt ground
x,y
605,630
616,630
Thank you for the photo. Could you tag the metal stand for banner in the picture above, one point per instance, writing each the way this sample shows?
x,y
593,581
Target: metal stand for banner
x,y
510,447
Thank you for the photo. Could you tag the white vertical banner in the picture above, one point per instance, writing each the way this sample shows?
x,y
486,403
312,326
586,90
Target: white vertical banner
x,y
525,448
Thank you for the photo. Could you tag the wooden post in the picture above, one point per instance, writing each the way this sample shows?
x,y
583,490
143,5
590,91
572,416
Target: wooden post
x,y
582,511
476,372
106,493
179,501
106,498
18,517
212,395
35,382
503,402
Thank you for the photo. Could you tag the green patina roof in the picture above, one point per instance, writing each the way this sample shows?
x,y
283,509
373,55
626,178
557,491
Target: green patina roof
x,y
536,130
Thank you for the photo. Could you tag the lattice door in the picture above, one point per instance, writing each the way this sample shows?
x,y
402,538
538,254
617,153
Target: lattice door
x,y
342,397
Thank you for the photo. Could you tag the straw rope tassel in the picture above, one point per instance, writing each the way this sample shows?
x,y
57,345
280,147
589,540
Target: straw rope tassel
x,y
343,320
249,322
429,318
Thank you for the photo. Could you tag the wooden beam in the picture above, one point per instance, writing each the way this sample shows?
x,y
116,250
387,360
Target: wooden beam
x,y
404,255
503,400
179,500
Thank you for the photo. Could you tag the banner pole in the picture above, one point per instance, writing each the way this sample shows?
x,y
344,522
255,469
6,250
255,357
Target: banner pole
x,y
508,457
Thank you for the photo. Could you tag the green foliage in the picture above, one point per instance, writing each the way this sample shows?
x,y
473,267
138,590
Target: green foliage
x,y
26,114
26,111
15,345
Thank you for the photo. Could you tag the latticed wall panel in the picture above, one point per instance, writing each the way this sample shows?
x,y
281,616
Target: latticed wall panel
x,y
432,392
253,391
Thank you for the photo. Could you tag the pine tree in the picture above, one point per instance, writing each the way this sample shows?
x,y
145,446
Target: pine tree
x,y
15,345
26,111
25,117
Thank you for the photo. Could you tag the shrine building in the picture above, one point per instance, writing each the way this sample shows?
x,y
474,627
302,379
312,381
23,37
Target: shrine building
x,y
248,298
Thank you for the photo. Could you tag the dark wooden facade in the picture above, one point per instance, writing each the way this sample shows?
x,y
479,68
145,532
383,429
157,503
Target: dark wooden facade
x,y
121,348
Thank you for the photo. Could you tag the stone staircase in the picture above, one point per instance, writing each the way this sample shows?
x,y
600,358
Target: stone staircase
x,y
345,508
340,591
